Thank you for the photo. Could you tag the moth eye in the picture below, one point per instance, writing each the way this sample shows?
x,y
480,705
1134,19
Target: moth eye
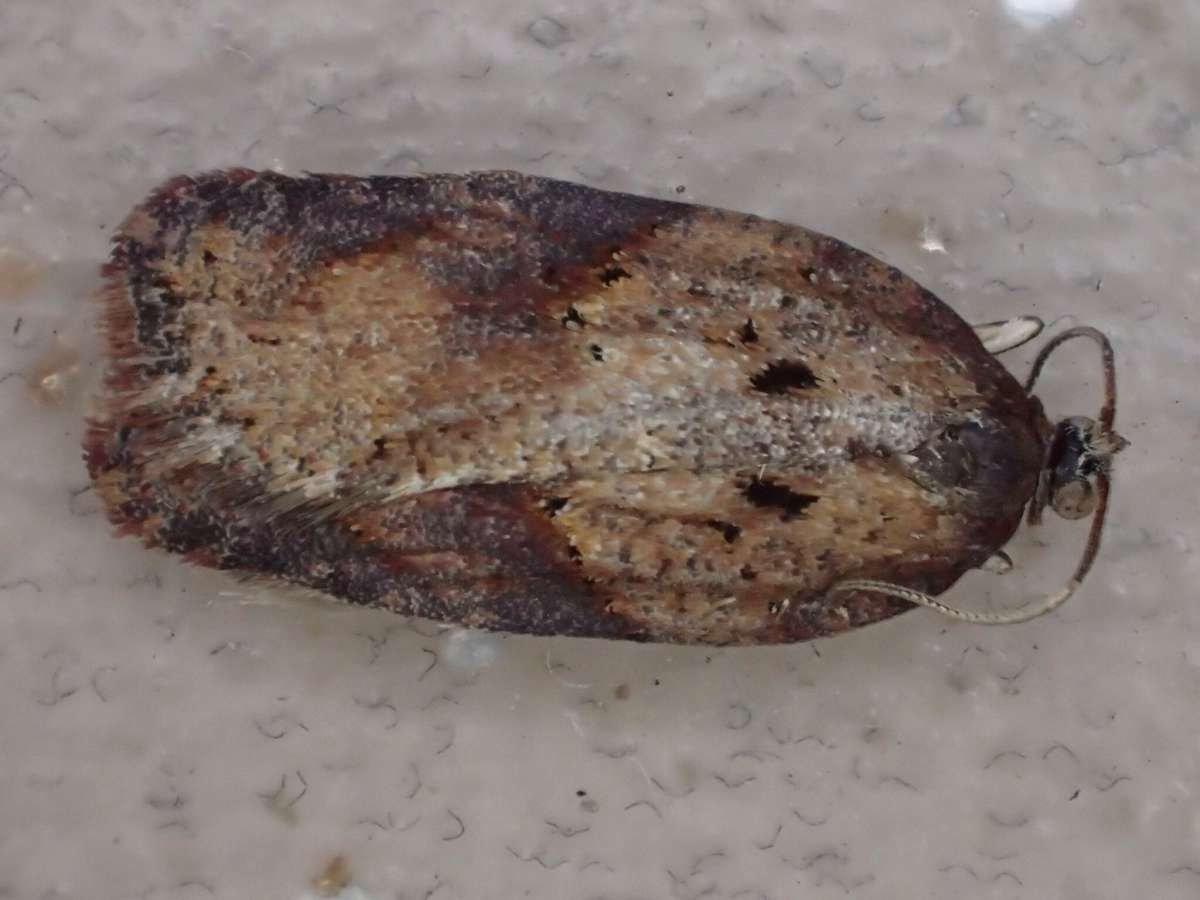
x,y
1074,499
783,375
773,495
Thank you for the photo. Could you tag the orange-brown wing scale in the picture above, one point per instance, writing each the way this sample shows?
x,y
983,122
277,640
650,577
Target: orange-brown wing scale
x,y
531,406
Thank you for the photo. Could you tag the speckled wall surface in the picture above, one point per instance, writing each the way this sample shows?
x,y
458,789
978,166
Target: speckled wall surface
x,y
167,733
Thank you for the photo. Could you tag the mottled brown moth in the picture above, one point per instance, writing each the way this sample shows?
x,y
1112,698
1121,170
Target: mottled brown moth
x,y
526,405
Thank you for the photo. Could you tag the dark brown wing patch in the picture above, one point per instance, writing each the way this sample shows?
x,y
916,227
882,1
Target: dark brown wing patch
x,y
783,375
767,493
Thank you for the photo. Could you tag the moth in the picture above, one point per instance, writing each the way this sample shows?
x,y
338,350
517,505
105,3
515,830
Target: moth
x,y
527,405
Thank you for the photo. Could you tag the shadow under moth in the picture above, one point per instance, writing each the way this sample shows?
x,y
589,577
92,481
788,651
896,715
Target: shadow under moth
x,y
526,405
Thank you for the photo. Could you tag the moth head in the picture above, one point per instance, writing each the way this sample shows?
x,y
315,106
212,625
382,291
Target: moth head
x,y
1074,479
1080,454
1076,475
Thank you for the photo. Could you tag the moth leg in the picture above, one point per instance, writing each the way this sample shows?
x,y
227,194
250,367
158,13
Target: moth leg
x,y
999,563
1007,334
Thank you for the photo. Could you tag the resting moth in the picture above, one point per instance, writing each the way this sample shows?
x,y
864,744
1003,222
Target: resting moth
x,y
527,405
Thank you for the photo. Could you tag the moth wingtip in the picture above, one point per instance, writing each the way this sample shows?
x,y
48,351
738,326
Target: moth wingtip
x,y
145,220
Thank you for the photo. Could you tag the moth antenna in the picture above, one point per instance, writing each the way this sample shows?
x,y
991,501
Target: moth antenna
x,y
1108,412
1047,604
1042,491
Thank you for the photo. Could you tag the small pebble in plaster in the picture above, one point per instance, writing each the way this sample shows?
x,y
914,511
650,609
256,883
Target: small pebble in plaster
x,y
931,238
334,878
548,32
466,648
1036,13
54,375
350,892
20,272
